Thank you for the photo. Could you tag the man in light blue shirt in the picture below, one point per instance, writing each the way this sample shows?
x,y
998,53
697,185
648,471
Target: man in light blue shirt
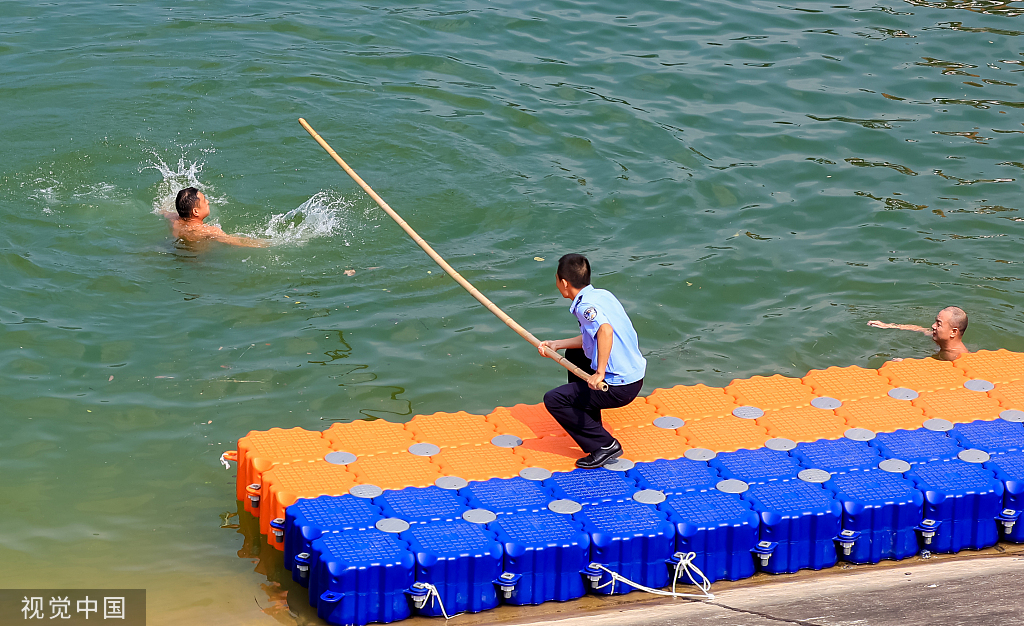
x,y
608,348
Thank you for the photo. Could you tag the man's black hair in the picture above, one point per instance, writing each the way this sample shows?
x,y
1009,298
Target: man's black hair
x,y
575,269
187,200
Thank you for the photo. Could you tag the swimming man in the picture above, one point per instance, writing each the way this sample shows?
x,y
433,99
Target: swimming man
x,y
187,224
609,344
947,332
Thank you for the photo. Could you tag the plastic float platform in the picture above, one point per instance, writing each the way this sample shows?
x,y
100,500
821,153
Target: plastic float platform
x,y
454,512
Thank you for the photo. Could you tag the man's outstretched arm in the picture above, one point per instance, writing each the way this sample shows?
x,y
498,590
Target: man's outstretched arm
x,y
217,234
247,242
878,324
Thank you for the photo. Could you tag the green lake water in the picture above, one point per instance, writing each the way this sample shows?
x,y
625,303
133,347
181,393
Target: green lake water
x,y
754,181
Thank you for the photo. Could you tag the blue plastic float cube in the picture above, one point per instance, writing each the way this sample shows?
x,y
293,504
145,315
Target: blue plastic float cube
x,y
994,437
756,466
361,577
674,476
631,539
837,455
916,446
802,518
1009,468
459,558
719,528
308,519
881,511
507,495
544,553
591,486
964,499
419,505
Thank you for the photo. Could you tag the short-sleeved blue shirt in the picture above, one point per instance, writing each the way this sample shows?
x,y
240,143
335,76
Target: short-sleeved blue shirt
x,y
594,307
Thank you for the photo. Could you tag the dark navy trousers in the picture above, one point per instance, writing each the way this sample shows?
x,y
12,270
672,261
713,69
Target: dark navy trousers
x,y
577,407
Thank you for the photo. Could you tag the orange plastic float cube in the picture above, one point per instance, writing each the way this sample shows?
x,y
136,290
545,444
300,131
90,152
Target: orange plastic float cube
x,y
447,430
481,462
650,443
958,405
503,422
882,415
555,454
847,383
367,437
923,374
636,413
771,392
804,423
537,419
534,417
1000,366
261,450
692,402
1010,395
284,484
724,434
395,471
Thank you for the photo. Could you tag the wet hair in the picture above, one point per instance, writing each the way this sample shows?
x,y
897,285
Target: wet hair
x,y
957,319
188,199
574,269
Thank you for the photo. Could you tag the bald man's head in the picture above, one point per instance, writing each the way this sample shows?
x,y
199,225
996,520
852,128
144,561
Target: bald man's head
x,y
949,328
957,319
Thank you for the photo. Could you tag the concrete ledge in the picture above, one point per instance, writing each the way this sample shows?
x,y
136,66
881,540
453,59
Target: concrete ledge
x,y
944,590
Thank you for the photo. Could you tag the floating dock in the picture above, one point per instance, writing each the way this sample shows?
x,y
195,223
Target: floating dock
x,y
453,512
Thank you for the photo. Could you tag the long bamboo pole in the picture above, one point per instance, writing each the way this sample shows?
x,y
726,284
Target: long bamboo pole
x,y
473,291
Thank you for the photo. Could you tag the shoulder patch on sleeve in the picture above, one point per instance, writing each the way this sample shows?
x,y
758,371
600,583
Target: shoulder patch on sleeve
x,y
590,314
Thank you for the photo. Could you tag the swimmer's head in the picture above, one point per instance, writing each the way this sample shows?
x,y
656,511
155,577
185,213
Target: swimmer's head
x,y
573,270
191,203
950,325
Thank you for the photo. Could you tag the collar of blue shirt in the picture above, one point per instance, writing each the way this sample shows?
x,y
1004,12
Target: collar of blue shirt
x,y
579,298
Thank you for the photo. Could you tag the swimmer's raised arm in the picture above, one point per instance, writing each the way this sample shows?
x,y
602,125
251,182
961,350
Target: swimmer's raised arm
x,y
919,329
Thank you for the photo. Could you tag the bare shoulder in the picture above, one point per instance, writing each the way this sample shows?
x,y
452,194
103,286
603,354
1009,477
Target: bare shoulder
x,y
194,232
212,230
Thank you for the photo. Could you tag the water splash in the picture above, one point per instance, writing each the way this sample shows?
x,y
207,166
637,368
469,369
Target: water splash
x,y
173,179
46,193
52,192
325,214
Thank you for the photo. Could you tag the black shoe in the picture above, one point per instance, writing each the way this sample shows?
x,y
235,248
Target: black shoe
x,y
600,457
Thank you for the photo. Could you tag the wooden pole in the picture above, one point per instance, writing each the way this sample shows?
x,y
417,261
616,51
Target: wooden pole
x,y
473,291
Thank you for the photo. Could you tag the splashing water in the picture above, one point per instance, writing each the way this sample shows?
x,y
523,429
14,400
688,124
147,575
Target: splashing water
x,y
53,192
322,215
185,174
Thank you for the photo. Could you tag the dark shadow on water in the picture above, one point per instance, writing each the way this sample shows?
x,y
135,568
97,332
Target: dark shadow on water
x,y
279,597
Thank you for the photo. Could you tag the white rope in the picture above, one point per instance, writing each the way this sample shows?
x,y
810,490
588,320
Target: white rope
x,y
432,594
683,564
224,461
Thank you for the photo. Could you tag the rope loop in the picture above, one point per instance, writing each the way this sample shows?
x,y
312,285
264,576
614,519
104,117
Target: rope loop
x,y
433,594
684,564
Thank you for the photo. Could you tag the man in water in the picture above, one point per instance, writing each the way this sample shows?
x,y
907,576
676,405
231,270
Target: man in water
x,y
187,224
609,349
947,332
